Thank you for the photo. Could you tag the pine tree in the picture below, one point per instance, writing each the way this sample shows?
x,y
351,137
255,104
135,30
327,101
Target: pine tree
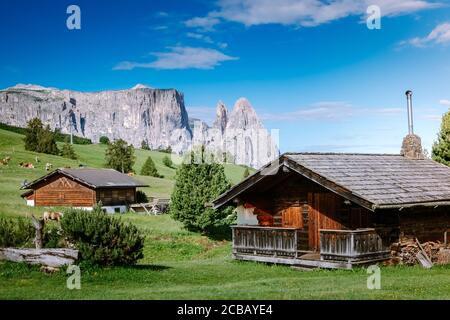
x,y
441,148
167,162
47,142
149,169
67,151
144,145
34,129
120,156
196,185
246,173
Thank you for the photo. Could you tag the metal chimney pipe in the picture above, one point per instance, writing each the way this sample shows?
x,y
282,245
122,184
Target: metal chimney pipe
x,y
410,112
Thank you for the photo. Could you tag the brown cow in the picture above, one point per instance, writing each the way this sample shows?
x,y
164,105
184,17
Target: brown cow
x,y
50,215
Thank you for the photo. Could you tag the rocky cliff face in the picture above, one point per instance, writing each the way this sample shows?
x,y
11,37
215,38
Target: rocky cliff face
x,y
239,136
141,113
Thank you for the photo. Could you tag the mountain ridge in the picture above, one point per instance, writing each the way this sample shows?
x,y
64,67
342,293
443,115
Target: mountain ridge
x,y
141,113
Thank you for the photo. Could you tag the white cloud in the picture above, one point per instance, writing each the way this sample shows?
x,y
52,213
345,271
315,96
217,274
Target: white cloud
x,y
199,36
159,28
302,12
445,102
206,39
439,35
203,23
330,110
180,58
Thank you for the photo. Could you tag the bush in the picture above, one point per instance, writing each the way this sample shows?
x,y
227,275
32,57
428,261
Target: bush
x,y
195,185
165,150
16,232
141,197
52,236
104,140
167,162
101,238
149,169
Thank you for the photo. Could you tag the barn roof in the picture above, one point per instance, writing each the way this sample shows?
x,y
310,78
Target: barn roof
x,y
374,181
95,178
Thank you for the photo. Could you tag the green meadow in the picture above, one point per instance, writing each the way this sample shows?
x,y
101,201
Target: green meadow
x,y
178,264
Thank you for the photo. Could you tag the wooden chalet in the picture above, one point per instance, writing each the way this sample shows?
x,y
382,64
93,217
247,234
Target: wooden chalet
x,y
337,210
83,188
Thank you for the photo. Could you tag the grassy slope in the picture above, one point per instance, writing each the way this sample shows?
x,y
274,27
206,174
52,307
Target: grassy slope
x,y
183,265
11,176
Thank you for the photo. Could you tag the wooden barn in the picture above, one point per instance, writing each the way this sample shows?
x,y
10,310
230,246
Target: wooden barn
x,y
336,210
83,188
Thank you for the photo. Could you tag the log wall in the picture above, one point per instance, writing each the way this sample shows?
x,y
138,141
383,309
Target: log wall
x,y
63,191
296,202
426,223
110,197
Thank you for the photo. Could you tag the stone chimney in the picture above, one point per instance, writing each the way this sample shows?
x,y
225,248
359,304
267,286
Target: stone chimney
x,y
412,144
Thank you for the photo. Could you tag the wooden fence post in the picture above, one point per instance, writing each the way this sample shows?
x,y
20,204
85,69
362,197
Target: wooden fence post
x,y
38,225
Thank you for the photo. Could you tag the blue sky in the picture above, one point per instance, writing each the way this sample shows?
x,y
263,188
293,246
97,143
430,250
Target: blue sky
x,y
310,68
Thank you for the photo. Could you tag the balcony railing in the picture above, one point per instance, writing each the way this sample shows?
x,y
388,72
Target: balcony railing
x,y
352,245
266,241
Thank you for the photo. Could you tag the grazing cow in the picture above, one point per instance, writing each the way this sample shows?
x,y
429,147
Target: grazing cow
x,y
50,215
5,161
27,165
48,166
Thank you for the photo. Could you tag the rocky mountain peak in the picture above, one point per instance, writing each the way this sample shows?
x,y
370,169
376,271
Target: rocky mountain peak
x,y
221,117
243,116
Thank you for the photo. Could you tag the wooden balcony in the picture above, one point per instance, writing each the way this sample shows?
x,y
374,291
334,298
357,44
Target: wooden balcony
x,y
338,248
267,241
352,245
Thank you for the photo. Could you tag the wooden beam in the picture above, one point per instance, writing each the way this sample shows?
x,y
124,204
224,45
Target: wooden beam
x,y
327,184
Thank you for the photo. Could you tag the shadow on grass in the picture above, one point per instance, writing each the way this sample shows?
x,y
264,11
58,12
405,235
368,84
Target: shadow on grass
x,y
219,233
151,267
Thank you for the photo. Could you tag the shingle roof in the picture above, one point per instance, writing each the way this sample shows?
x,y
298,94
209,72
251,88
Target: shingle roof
x,y
375,181
382,179
96,178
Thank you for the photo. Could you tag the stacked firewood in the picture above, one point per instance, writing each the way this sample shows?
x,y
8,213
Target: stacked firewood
x,y
405,252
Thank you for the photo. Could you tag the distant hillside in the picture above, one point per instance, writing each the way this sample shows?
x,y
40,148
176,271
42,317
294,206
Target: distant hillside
x,y
11,176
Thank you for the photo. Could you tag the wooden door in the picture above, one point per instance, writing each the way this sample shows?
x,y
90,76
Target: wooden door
x,y
292,217
322,214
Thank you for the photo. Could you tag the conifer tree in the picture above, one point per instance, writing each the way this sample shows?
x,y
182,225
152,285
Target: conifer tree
x,y
47,142
441,148
196,185
67,151
149,169
167,162
34,129
119,155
